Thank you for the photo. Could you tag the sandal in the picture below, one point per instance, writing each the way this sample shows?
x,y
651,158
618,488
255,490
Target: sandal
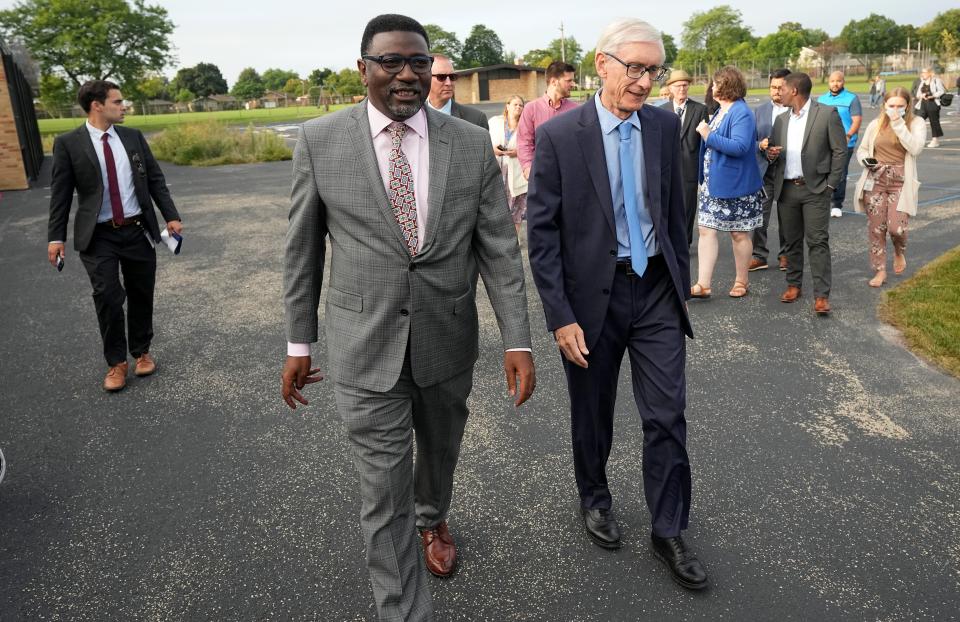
x,y
899,264
740,289
879,279
699,291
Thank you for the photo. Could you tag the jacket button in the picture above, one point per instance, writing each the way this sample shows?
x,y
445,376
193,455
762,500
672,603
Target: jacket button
x,y
412,267
606,292
613,253
404,312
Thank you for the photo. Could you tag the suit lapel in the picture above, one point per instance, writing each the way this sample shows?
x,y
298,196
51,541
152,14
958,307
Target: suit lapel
x,y
811,119
590,139
83,135
687,120
359,132
650,130
439,169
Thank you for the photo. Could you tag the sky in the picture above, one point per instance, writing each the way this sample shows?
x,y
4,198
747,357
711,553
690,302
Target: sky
x,y
305,35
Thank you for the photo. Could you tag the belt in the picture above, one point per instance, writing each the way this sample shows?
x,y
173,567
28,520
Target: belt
x,y
626,266
797,181
127,222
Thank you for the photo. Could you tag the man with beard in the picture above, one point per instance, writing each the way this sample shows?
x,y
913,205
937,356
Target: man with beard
x,y
851,115
560,81
764,115
413,204
609,255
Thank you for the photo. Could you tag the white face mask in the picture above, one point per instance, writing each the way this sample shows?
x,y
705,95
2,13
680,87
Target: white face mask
x,y
897,111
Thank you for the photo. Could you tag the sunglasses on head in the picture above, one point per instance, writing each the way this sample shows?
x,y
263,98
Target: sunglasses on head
x,y
442,77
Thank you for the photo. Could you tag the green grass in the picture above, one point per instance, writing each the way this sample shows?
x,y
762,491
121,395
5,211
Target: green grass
x,y
157,122
213,143
926,310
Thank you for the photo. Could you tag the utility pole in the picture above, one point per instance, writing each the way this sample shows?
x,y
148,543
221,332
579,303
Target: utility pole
x,y
563,44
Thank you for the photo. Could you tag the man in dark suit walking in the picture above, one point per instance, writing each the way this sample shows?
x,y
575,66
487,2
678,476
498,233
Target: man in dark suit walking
x,y
807,153
609,254
442,88
691,113
115,176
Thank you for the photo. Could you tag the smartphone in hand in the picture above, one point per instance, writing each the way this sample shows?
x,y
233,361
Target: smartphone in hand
x,y
59,262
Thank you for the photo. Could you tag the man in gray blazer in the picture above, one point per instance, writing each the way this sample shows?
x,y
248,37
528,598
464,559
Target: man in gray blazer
x,y
807,153
442,91
764,115
412,202
117,181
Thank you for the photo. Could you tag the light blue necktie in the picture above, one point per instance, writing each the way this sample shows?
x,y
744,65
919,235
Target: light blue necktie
x,y
638,250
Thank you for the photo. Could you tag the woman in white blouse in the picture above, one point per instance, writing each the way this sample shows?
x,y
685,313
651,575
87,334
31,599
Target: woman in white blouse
x,y
503,133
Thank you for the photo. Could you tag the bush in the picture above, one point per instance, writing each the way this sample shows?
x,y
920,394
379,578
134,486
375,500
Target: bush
x,y
212,144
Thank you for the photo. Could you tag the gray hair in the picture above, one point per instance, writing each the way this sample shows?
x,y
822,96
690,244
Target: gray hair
x,y
629,30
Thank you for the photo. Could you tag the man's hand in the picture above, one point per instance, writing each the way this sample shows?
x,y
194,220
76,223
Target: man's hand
x,y
773,152
297,374
572,344
175,226
764,143
54,249
518,367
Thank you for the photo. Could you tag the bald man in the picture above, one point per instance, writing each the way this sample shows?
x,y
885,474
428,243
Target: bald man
x,y
851,114
442,87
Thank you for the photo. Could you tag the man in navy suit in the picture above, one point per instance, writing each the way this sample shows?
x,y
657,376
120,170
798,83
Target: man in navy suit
x,y
608,249
764,114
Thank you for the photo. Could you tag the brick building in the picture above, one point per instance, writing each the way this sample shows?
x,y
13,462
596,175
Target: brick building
x,y
498,82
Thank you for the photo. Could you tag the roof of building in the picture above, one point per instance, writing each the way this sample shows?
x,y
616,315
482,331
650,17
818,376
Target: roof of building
x,y
466,72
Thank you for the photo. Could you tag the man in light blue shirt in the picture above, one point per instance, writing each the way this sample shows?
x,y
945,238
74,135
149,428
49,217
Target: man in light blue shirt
x,y
851,114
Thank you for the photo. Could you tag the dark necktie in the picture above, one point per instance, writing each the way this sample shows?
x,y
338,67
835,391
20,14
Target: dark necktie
x,y
113,186
680,112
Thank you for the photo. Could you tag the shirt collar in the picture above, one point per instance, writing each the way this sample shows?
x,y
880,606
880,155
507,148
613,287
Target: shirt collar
x,y
96,133
447,108
380,121
549,102
803,111
609,121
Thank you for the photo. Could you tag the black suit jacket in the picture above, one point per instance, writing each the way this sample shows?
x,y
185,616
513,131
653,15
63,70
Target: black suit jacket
x,y
75,166
824,150
469,114
690,139
570,221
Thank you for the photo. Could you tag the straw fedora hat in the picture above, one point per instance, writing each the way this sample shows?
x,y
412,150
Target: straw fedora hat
x,y
678,75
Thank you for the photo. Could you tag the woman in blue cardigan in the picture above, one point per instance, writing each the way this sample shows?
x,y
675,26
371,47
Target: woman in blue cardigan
x,y
730,193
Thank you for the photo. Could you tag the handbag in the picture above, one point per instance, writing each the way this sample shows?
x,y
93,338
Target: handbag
x,y
946,99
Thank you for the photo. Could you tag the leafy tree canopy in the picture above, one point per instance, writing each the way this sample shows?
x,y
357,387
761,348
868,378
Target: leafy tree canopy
x,y
574,53
56,94
317,76
275,79
249,85
875,34
931,33
781,45
346,82
483,47
712,34
669,46
202,80
444,42
92,39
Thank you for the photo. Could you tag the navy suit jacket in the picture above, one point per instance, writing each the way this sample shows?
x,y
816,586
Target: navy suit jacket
x,y
570,223
733,166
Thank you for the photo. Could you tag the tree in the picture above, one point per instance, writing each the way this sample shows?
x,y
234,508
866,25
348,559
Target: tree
x,y
346,83
588,66
92,39
574,53
275,79
826,51
444,42
56,94
811,36
783,45
249,85
669,46
294,87
317,76
712,34
931,33
184,96
875,34
538,58
203,80
482,48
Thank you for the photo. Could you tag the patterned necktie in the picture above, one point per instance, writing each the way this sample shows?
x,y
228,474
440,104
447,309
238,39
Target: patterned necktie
x,y
113,186
680,112
638,249
402,199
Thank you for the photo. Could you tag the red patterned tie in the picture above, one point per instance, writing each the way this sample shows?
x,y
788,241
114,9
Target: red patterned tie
x,y
113,186
402,199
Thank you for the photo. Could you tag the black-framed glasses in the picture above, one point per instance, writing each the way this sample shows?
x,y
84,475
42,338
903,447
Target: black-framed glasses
x,y
635,71
394,63
442,77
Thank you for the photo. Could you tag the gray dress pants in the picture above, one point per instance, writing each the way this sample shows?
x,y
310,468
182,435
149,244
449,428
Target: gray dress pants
x,y
805,217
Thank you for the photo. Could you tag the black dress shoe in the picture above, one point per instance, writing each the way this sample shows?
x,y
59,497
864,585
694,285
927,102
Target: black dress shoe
x,y
684,567
602,527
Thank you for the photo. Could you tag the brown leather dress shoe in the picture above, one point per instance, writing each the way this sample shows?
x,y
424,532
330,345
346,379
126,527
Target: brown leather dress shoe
x,y
757,264
145,365
116,378
783,263
439,550
821,305
791,295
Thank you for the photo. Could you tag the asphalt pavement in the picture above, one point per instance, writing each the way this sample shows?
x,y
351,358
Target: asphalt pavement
x,y
826,475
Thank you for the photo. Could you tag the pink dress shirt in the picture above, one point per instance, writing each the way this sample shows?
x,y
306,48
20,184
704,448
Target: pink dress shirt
x,y
535,113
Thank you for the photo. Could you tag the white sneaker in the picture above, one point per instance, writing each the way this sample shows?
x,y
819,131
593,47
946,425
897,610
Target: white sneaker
x,y
835,212
933,143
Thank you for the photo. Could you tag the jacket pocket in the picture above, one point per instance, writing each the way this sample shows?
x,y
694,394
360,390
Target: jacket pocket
x,y
463,303
345,300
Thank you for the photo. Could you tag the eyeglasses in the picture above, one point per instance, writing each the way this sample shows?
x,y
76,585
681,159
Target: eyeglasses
x,y
419,63
442,77
635,72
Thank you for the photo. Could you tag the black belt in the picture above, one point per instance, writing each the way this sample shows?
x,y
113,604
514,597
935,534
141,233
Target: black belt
x,y
626,266
133,221
797,181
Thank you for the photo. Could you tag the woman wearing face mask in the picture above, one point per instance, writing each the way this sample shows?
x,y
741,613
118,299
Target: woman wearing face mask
x,y
503,133
889,188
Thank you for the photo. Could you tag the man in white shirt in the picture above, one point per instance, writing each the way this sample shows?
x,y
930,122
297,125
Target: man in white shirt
x,y
764,115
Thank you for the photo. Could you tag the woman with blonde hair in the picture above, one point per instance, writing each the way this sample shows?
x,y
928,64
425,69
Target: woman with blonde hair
x,y
888,190
503,133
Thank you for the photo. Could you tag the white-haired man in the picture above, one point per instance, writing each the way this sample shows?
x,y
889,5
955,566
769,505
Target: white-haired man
x,y
608,251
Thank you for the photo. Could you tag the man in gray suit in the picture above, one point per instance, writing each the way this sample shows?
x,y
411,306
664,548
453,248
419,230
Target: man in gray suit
x,y
412,202
807,153
442,91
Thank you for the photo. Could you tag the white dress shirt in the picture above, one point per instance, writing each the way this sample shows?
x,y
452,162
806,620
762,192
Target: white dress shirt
x,y
776,112
796,124
128,194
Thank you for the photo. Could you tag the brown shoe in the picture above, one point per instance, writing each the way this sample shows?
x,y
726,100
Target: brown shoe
x,y
821,305
783,263
116,378
791,295
757,264
145,365
439,550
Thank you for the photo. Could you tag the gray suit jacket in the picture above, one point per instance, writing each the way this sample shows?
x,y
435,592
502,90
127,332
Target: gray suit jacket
x,y
469,114
379,299
824,150
76,167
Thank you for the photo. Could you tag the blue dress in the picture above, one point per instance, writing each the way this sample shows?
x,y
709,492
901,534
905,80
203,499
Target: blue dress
x,y
737,214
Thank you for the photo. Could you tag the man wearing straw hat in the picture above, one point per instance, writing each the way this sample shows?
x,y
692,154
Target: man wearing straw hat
x,y
691,113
